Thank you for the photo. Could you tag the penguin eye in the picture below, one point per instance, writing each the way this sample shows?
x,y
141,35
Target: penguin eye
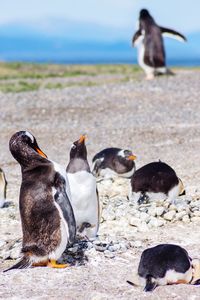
x,y
73,146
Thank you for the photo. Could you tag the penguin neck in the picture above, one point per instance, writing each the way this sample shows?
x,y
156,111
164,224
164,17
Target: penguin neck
x,y
78,164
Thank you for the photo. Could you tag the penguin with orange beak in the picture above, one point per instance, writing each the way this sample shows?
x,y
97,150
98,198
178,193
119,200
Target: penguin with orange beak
x,y
84,194
114,162
48,222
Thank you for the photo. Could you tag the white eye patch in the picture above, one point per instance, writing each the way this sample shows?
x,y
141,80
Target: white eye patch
x,y
30,136
121,153
73,146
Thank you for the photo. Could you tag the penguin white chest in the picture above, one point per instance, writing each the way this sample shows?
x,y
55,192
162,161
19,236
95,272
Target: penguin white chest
x,y
83,197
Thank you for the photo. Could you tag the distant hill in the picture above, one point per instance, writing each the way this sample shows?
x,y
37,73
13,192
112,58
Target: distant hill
x,y
74,42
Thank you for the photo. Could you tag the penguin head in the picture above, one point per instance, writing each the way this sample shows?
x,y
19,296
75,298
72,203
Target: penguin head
x,y
144,13
127,154
145,19
78,148
24,147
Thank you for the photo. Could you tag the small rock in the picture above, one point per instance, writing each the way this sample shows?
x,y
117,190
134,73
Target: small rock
x,y
186,219
143,227
195,219
159,211
180,215
169,215
135,222
144,216
109,254
154,222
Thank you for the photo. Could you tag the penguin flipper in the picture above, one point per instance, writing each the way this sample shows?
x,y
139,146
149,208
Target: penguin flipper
x,y
150,286
173,34
62,199
24,263
135,37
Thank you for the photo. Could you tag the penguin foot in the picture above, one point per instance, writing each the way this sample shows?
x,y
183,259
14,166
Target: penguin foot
x,y
144,199
40,264
53,264
150,77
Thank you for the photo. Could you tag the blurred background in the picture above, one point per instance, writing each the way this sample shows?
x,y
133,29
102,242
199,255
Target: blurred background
x,y
92,32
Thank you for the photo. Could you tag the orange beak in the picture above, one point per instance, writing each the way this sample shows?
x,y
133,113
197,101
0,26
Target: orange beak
x,y
82,139
132,157
40,152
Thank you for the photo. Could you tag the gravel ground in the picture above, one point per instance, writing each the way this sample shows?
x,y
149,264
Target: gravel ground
x,y
157,120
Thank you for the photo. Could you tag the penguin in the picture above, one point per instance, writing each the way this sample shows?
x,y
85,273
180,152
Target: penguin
x,y
48,222
3,188
84,194
148,39
166,264
155,181
114,162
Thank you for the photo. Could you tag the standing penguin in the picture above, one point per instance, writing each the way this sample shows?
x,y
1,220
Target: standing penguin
x,y
3,188
84,195
155,181
48,222
166,264
114,161
151,52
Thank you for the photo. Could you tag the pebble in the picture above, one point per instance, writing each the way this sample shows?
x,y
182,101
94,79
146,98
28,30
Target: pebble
x,y
109,254
169,215
135,222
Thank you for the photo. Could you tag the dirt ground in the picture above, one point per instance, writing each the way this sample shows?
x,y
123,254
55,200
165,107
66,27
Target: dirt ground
x,y
157,120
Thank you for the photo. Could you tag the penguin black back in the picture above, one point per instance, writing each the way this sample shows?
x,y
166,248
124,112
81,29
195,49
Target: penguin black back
x,y
154,177
155,262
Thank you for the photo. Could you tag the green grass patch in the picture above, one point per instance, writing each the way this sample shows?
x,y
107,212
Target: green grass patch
x,y
18,87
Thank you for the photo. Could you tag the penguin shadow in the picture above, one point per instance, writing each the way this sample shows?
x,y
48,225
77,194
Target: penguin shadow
x,y
8,203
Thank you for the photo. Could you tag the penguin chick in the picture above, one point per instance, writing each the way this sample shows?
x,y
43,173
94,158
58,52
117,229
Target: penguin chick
x,y
84,195
114,162
48,222
3,188
155,181
163,264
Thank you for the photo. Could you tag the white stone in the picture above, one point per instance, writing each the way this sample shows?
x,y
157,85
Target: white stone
x,y
144,217
186,219
135,222
169,215
159,211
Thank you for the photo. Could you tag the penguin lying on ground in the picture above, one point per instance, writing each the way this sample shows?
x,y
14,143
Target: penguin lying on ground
x,y
48,222
166,264
151,52
155,181
84,194
3,188
114,161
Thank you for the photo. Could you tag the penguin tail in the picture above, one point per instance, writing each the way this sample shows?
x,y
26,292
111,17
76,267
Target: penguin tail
x,y
197,282
131,283
150,285
24,263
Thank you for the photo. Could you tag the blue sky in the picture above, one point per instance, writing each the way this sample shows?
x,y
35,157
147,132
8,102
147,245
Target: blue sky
x,y
122,14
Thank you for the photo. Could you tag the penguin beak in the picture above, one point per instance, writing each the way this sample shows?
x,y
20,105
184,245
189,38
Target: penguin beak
x,y
82,139
132,157
40,152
